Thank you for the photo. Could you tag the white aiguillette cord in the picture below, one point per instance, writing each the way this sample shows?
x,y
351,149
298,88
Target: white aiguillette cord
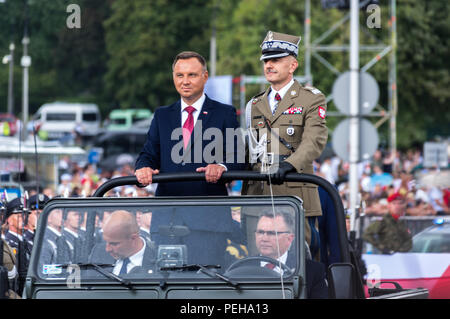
x,y
259,150
276,236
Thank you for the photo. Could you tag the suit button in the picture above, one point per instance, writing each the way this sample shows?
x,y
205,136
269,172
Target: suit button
x,y
183,163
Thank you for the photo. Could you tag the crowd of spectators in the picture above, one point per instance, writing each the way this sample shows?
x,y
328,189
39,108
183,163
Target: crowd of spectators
x,y
426,189
379,177
82,181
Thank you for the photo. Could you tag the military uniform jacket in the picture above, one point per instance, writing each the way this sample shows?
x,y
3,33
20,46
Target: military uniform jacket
x,y
9,260
388,235
300,120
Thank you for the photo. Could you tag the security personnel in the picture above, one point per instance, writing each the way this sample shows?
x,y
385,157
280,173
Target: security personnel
x,y
35,204
9,262
15,215
390,234
293,117
14,220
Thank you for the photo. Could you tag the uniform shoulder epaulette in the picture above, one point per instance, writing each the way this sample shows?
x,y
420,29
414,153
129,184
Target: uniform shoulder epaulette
x,y
312,89
259,94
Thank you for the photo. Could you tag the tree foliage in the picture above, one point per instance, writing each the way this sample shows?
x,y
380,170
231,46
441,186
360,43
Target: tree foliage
x,y
122,54
142,39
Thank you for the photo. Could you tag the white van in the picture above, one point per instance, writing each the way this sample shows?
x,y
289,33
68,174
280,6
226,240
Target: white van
x,y
60,118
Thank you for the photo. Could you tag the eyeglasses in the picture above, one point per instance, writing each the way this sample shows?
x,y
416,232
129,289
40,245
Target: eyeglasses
x,y
270,232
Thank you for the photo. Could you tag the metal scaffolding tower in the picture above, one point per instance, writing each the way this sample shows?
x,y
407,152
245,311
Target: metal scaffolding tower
x,y
314,47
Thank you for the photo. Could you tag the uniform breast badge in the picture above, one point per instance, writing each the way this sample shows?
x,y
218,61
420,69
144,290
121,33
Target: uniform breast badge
x,y
290,131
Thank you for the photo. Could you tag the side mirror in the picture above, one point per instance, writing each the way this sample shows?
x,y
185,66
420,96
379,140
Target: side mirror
x,y
341,281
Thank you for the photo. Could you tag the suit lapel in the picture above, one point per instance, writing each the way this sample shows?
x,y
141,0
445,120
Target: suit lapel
x,y
175,115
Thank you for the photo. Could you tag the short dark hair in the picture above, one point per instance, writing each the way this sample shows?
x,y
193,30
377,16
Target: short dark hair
x,y
288,217
188,55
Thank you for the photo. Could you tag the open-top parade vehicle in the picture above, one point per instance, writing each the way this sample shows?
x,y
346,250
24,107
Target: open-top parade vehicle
x,y
175,268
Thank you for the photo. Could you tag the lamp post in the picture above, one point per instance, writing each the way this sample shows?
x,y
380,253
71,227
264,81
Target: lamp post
x,y
25,62
10,59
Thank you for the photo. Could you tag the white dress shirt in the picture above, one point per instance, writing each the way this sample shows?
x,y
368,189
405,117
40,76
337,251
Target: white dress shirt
x,y
283,259
282,92
198,107
135,260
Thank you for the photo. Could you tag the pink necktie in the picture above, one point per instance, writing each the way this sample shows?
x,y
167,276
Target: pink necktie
x,y
188,125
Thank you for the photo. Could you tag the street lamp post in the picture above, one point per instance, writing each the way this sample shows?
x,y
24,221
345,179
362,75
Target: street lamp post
x,y
25,62
11,79
9,59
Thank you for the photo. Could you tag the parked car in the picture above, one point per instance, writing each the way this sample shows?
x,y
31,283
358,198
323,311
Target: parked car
x,y
426,265
8,124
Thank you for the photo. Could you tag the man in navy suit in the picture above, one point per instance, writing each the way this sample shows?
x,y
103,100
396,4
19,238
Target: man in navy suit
x,y
274,236
180,139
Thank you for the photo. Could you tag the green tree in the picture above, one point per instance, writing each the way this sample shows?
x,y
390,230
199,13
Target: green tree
x,y
423,70
142,38
422,55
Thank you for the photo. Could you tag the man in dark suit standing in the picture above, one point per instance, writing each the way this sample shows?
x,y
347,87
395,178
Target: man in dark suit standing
x,y
180,139
274,235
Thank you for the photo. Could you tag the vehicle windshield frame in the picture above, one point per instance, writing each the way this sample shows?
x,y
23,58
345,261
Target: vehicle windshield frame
x,y
104,203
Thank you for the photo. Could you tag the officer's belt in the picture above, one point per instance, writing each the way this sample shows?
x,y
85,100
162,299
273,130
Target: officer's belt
x,y
282,140
281,158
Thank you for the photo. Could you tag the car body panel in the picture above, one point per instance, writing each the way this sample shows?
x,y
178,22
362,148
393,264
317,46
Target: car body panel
x,y
418,268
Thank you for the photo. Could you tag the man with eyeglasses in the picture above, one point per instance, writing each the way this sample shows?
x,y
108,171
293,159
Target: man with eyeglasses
x,y
274,235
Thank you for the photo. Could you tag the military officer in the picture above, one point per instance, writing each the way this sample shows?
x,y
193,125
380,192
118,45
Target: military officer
x,y
293,116
14,220
9,262
15,215
35,204
390,234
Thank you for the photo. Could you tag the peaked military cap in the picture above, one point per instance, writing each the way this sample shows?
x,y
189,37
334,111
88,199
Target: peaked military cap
x,y
277,45
13,207
41,201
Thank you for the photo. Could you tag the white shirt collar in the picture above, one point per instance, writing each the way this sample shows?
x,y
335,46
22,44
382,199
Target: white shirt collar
x,y
197,104
15,234
71,232
54,230
282,91
135,260
283,259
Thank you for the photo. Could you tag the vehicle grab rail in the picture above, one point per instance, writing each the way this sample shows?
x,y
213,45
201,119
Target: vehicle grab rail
x,y
246,175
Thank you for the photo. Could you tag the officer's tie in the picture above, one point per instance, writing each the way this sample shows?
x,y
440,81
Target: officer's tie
x,y
188,125
278,99
123,270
